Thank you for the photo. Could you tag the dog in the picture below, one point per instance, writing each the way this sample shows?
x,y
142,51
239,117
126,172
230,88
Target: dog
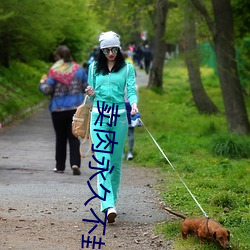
x,y
204,229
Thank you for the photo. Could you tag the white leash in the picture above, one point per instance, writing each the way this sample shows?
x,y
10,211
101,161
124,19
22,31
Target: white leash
x,y
174,170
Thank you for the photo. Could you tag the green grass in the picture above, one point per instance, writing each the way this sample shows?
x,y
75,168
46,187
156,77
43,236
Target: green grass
x,y
214,164
19,88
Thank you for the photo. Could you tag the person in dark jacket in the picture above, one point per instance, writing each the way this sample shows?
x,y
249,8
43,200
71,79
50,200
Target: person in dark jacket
x,y
147,54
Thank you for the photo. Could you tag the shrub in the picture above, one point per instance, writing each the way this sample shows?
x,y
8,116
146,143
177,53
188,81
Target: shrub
x,y
231,146
223,200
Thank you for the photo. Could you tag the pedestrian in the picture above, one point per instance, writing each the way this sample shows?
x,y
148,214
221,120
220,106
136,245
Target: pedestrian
x,y
65,83
108,78
128,108
139,55
147,54
92,57
93,54
130,133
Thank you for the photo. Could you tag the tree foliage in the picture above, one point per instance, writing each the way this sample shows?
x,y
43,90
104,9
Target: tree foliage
x,y
126,17
28,33
242,35
241,18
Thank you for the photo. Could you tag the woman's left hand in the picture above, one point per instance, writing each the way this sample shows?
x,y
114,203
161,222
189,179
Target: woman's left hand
x,y
134,109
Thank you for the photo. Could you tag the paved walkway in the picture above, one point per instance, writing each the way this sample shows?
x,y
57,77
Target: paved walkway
x,y
141,78
26,164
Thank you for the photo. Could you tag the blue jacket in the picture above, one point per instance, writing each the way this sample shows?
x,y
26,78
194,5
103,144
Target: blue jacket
x,y
65,97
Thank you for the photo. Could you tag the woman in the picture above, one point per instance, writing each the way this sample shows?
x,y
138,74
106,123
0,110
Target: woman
x,y
65,83
108,77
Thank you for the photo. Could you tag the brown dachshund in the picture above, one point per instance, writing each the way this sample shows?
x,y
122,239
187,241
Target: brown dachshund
x,y
204,229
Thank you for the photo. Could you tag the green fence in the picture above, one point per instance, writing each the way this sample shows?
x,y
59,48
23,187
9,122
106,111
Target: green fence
x,y
208,58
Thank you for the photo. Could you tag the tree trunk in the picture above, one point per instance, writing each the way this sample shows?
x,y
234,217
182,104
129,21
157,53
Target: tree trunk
x,y
223,38
201,99
159,47
235,109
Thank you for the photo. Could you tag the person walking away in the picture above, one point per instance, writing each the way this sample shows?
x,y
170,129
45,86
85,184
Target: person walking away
x,y
93,55
139,56
147,54
65,84
108,78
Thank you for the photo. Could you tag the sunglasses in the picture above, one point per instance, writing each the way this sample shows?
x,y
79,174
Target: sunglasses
x,y
106,51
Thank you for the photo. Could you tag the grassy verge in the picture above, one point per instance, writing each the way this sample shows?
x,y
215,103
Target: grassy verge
x,y
213,164
19,88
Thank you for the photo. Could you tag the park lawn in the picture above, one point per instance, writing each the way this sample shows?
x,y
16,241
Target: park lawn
x,y
193,144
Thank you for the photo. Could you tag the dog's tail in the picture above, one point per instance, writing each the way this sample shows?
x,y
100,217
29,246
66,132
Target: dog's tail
x,y
175,213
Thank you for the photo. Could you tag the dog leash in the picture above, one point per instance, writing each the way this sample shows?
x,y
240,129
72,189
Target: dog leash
x,y
174,169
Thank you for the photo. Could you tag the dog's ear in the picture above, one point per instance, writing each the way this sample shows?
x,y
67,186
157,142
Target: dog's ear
x,y
214,235
228,237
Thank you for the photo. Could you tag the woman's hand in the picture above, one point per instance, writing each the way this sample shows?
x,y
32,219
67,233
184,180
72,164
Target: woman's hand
x,y
134,109
90,91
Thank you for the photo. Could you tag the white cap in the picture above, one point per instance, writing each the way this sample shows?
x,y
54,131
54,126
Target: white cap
x,y
109,39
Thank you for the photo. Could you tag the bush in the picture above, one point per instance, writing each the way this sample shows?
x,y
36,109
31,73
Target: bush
x,y
19,88
224,200
231,146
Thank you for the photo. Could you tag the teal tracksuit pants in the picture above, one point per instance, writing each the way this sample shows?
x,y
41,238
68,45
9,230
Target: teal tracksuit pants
x,y
108,149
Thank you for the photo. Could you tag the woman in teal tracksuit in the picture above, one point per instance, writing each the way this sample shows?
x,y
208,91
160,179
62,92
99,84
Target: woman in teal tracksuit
x,y
108,77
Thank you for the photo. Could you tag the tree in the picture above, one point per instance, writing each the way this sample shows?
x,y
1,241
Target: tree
x,y
28,33
126,17
159,46
223,38
201,99
242,33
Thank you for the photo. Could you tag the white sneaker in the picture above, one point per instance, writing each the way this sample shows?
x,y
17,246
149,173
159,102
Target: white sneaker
x,y
111,215
129,156
58,171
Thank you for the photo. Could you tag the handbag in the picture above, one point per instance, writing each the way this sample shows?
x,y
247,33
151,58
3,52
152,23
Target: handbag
x,y
81,125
